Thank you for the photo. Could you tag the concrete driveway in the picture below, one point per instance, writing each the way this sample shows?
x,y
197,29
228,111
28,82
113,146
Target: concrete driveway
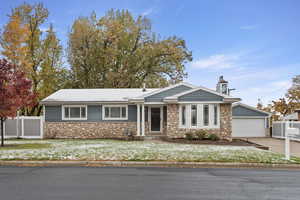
x,y
277,145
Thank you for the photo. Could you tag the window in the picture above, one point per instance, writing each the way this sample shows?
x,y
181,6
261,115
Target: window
x,y
215,115
74,112
114,112
199,116
183,115
205,115
194,115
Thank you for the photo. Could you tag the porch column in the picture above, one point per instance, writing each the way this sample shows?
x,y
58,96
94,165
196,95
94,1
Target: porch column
x,y
143,120
138,123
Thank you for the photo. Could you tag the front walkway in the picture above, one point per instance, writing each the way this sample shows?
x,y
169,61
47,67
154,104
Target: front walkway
x,y
277,145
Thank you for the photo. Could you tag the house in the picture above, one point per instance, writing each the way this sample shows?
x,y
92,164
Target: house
x,y
295,116
111,113
248,121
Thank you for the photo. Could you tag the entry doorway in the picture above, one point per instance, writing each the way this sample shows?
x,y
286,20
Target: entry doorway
x,y
155,119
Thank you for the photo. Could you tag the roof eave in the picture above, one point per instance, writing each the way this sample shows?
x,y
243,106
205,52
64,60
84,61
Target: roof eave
x,y
170,100
80,102
231,100
251,107
136,100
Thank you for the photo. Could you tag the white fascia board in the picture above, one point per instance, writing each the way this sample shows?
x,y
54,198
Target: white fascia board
x,y
249,117
170,100
154,103
232,100
136,100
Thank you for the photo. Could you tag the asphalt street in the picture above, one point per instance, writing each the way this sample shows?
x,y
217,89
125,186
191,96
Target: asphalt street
x,y
51,183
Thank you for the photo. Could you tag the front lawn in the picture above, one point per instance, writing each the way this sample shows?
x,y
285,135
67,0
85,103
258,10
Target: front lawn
x,y
14,146
134,151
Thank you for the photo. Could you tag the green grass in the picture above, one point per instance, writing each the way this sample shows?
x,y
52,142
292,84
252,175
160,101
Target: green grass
x,y
25,146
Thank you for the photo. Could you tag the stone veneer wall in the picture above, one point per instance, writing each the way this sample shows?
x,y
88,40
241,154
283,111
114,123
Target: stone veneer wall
x,y
87,129
173,130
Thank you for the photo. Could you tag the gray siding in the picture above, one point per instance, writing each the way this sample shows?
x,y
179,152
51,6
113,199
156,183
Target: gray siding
x,y
200,95
53,114
243,111
160,96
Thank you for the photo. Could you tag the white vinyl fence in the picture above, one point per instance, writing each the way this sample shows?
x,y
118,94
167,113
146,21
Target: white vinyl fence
x,y
279,129
24,127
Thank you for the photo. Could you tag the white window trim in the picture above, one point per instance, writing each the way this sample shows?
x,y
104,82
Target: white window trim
x,y
69,118
209,115
180,117
200,116
195,126
113,118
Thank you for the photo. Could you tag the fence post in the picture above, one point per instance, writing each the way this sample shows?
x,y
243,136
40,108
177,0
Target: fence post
x,y
281,125
41,127
17,124
4,128
287,148
287,142
22,131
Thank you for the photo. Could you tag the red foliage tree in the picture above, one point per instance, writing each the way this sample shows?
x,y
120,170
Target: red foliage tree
x,y
15,92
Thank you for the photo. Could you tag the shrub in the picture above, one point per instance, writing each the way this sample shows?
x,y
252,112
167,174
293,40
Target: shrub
x,y
201,134
213,137
189,136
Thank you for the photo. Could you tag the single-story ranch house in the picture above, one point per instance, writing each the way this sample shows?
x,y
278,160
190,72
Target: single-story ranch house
x,y
169,112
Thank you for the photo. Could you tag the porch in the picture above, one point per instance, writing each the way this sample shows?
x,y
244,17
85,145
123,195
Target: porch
x,y
151,119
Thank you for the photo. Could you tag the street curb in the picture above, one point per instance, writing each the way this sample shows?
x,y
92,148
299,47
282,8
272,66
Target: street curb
x,y
149,164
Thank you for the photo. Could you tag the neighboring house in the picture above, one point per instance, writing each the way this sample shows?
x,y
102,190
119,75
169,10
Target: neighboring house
x,y
295,116
248,121
110,113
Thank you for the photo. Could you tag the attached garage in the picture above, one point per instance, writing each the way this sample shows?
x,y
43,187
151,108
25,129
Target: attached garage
x,y
248,121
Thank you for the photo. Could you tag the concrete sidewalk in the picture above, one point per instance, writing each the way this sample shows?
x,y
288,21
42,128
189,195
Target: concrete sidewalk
x,y
48,163
277,145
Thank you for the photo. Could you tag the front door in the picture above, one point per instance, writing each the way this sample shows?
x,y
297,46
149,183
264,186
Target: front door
x,y
155,114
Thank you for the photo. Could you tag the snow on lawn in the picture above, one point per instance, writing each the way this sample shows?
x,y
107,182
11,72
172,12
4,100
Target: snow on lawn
x,y
138,151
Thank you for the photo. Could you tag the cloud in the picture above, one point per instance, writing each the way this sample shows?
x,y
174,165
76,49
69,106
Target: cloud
x,y
217,62
248,27
251,72
147,12
266,92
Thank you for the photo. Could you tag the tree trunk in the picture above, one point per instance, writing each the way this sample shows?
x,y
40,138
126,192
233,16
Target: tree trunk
x,y
2,132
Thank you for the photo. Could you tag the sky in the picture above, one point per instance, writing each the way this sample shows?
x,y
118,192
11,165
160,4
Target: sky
x,y
254,44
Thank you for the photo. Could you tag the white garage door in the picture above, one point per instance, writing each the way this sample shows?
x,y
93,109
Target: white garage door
x,y
248,127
